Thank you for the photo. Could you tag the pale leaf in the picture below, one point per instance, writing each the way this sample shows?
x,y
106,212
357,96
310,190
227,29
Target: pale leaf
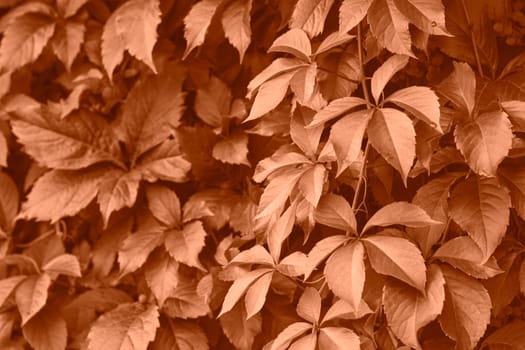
x,y
392,134
136,249
196,23
236,25
428,16
307,139
341,309
180,335
466,312
514,178
345,273
338,338
256,295
127,327
161,273
164,162
400,213
186,244
460,87
46,330
333,40
351,13
407,310
310,15
277,67
31,295
397,257
213,103
67,40
233,149
336,108
511,335
281,230
288,335
385,72
254,255
8,285
241,331
485,141
480,206
321,251
295,42
277,162
9,202
334,211
390,27
293,265
309,305
164,204
112,47
312,183
64,264
24,40
185,301
307,342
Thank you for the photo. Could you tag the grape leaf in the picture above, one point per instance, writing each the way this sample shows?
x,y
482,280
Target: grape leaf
x,y
186,244
161,273
256,295
177,334
129,326
400,213
288,335
485,141
67,40
351,12
196,23
24,39
338,338
310,15
9,202
295,42
137,247
233,149
480,206
385,72
333,210
466,311
239,330
428,16
392,134
236,25
407,310
345,273
46,330
390,27
396,257
80,141
63,264
31,295
309,305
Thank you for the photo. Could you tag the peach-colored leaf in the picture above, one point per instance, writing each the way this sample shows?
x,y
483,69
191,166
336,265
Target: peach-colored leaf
x,y
236,25
351,12
186,244
196,23
295,42
31,295
310,15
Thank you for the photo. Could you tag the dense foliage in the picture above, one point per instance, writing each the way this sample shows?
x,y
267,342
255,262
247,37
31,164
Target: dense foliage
x,y
241,174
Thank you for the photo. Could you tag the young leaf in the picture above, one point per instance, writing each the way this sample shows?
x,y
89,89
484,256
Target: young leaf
x,y
336,108
384,73
31,295
421,102
514,179
256,295
78,142
177,334
196,23
480,206
136,249
511,335
186,244
460,87
232,149
485,141
345,273
400,213
397,257
309,305
334,211
428,16
295,42
127,327
24,39
466,312
338,338
392,134
239,330
47,330
351,12
321,251
64,264
288,335
390,27
236,25
407,310
310,15
164,204
67,41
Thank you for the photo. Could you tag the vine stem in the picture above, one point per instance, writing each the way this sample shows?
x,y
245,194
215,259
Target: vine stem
x,y
472,39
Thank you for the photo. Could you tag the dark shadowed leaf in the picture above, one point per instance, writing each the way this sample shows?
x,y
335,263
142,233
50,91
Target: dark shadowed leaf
x,y
196,23
46,330
239,330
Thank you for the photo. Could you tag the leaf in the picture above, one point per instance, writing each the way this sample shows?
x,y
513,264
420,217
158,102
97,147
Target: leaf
x,y
151,112
514,179
334,211
161,273
390,27
295,42
254,255
177,334
310,15
61,193
307,342
280,231
480,206
256,295
428,16
164,204
277,67
212,103
400,213
69,8
24,39
332,41
126,327
137,247
397,257
186,302
233,149
132,27
8,285
485,141
345,273
118,190
466,312
67,40
164,162
307,139
64,264
392,134
239,288
236,25
338,338
312,183
82,140
309,305
196,23
9,202
385,72
239,330
186,244
341,309
421,102
278,162
407,310
516,112
351,13
321,250
31,295
460,87
345,65
336,108
46,330
288,335
511,335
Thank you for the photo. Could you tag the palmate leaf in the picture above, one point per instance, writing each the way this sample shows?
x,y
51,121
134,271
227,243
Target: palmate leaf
x,y
236,25
400,213
310,15
186,301
307,342
136,248
69,8
290,333
164,204
333,210
460,87
512,335
232,149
